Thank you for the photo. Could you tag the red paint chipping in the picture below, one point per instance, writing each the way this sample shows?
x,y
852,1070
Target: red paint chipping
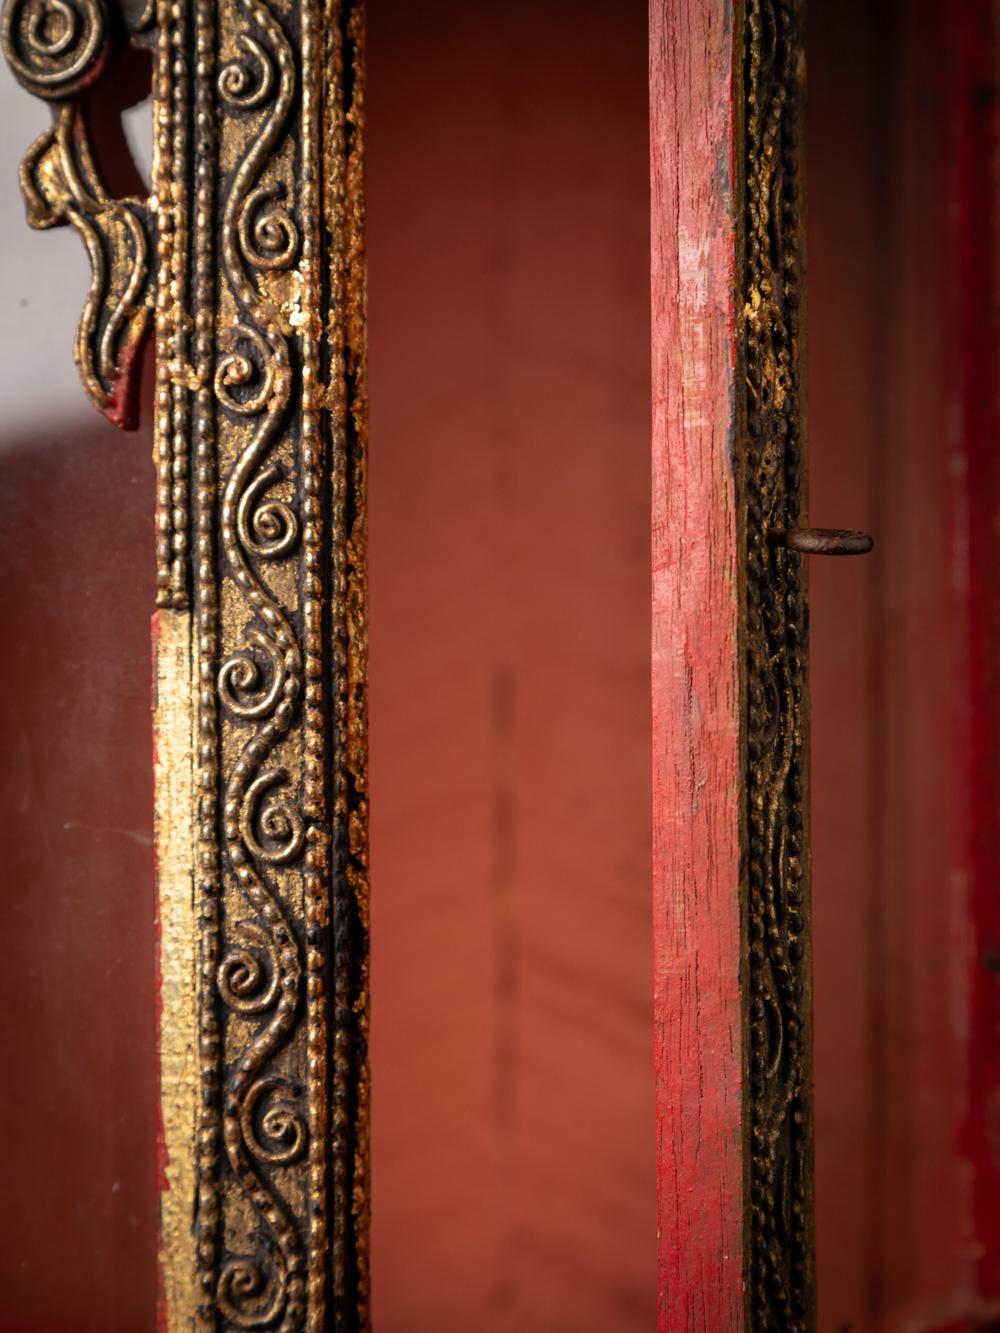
x,y
93,74
696,848
122,407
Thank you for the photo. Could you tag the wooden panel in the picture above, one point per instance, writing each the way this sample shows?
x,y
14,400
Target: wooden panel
x,y
845,263
901,199
973,325
255,276
513,1097
76,575
695,691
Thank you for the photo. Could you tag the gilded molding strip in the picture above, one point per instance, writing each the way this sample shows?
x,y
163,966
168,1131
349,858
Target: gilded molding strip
x,y
251,253
343,59
174,769
780,1278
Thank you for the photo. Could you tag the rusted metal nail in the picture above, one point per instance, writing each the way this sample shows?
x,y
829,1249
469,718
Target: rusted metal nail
x,y
821,541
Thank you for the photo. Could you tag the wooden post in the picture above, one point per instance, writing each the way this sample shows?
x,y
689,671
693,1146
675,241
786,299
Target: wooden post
x,y
695,677
730,695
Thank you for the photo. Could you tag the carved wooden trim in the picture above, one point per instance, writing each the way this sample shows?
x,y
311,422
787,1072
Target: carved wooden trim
x,y
251,252
778,992
730,704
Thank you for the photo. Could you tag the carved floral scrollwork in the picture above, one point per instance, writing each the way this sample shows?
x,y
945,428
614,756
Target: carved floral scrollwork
x,y
250,254
269,238
780,1280
272,829
260,686
253,1292
246,983
272,1122
242,684
56,48
247,84
253,367
269,530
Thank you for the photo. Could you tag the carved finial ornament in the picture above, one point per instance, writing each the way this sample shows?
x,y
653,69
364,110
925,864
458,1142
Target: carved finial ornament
x,y
57,49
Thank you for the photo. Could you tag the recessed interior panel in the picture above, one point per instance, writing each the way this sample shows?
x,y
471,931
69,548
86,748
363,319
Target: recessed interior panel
x,y
513,1141
890,909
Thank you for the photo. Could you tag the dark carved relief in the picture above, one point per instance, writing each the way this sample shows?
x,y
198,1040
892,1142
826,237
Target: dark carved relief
x,y
779,1275
283,1188
251,251
57,49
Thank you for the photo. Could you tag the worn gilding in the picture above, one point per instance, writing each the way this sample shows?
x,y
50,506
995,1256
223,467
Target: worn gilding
x,y
249,254
173,714
778,990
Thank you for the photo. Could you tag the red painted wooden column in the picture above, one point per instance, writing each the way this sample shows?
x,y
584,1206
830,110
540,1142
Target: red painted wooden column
x,y
696,731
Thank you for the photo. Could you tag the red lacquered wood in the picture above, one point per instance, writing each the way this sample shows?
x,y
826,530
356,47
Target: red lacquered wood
x,y
696,841
975,420
889,910
512,1111
78,1099
904,663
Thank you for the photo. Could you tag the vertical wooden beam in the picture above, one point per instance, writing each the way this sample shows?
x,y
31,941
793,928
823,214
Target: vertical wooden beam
x,y
250,253
695,674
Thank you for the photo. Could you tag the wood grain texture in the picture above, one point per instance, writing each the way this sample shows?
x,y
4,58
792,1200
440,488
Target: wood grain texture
x,y
696,704
512,1108
904,661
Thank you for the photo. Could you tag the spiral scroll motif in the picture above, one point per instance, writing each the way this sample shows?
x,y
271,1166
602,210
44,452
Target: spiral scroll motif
x,y
245,983
260,687
779,1279
268,236
241,681
55,47
272,829
271,1122
269,530
240,84
250,370
248,261
252,1291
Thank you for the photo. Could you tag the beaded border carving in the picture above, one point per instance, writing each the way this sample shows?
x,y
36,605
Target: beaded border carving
x,y
250,252
780,1285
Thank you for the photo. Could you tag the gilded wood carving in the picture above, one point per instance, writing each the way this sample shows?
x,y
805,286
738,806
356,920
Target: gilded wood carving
x,y
56,52
248,260
778,990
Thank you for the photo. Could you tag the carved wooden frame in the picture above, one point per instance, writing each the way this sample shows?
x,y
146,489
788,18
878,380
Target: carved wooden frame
x,y
777,911
733,984
248,259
